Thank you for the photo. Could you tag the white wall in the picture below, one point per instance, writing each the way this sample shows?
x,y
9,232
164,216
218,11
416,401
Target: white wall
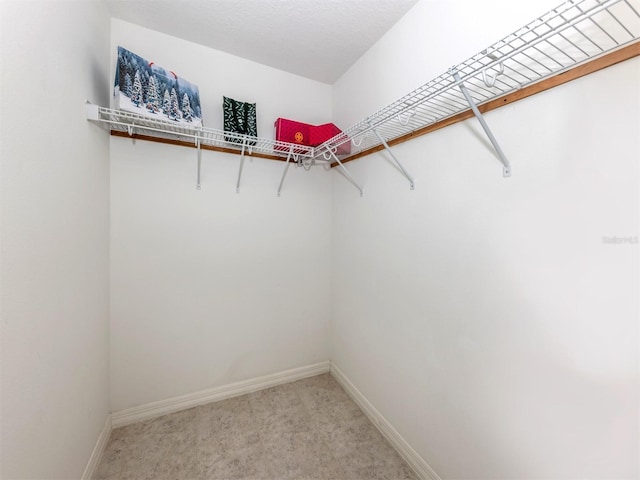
x,y
484,317
54,237
210,287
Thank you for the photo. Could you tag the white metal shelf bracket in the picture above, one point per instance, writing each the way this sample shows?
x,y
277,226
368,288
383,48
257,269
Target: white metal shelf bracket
x,y
506,170
412,183
286,168
198,147
332,154
244,146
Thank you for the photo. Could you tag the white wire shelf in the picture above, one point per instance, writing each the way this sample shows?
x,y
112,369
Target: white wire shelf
x,y
201,137
133,123
568,36
573,33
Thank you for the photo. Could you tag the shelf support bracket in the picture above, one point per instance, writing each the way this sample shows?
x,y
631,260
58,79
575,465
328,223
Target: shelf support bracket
x,y
198,144
286,168
244,146
506,169
345,171
412,183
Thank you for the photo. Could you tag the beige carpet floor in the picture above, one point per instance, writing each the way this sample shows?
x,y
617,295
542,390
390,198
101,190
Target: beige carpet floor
x,y
309,429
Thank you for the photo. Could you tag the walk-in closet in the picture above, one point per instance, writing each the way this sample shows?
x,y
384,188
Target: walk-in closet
x,y
309,239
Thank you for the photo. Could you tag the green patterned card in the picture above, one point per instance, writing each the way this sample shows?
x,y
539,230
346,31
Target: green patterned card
x,y
239,117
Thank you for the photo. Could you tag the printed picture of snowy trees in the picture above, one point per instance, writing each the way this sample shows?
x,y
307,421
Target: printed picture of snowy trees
x,y
145,88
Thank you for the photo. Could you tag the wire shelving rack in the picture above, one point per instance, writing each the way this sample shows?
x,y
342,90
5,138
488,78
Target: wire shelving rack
x,y
136,124
566,37
573,33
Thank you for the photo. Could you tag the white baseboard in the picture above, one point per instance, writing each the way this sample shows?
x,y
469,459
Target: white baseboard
x,y
175,404
415,461
98,450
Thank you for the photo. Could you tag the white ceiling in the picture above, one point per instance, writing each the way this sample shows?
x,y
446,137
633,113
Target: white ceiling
x,y
318,39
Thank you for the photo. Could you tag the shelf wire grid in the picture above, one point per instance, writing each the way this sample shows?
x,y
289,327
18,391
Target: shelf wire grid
x,y
133,123
571,34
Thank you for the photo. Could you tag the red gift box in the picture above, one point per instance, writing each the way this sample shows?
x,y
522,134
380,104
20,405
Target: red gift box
x,y
291,132
300,133
321,133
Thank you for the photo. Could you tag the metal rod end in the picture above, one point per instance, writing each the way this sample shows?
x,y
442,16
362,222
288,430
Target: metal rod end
x,y
237,190
413,186
198,187
506,171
